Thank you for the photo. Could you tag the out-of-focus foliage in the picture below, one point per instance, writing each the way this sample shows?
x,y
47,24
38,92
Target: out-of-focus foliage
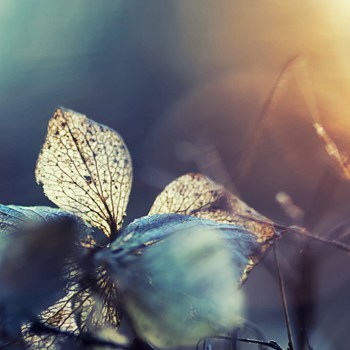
x,y
33,262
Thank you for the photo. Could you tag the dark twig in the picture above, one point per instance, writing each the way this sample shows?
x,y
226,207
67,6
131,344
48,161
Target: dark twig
x,y
270,344
258,334
284,299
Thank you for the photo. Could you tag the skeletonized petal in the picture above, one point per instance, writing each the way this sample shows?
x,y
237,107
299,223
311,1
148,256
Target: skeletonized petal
x,y
197,195
84,310
85,168
13,217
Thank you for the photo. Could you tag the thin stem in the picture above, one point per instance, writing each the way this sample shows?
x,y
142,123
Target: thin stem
x,y
284,299
271,344
343,246
340,245
251,138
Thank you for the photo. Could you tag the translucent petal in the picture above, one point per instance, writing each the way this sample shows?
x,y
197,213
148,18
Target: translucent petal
x,y
85,309
197,195
95,306
60,316
245,249
12,217
181,289
85,168
36,259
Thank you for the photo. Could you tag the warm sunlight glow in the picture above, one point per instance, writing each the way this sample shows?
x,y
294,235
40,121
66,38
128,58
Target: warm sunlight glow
x,y
333,150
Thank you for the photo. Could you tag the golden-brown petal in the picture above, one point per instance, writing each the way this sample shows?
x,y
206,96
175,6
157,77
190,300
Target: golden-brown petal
x,y
85,168
197,195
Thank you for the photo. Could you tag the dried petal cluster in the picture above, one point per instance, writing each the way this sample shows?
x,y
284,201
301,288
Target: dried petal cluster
x,y
196,245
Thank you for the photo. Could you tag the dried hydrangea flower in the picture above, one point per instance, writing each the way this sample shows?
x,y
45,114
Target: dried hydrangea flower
x,y
85,168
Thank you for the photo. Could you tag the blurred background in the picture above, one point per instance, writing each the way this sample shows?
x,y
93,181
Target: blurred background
x,y
185,82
